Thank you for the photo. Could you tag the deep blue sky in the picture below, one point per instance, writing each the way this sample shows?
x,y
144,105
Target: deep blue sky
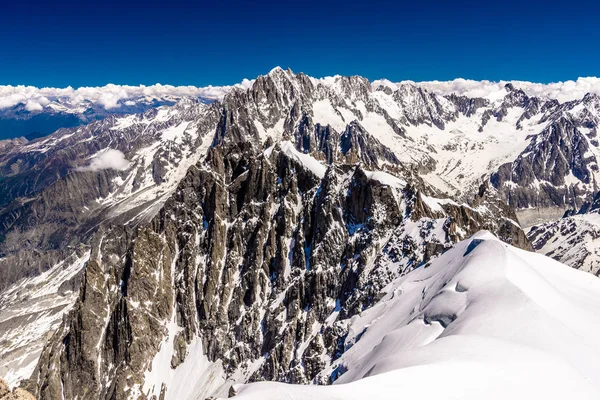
x,y
218,42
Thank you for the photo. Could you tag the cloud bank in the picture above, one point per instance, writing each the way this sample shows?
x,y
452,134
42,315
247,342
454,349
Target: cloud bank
x,y
112,96
561,91
108,159
108,96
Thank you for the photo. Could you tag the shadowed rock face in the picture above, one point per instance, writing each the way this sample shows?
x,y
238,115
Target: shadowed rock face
x,y
16,394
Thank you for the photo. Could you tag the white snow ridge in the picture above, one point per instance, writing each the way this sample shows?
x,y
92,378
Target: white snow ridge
x,y
483,321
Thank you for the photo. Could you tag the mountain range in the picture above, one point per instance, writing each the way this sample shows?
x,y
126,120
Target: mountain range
x,y
301,230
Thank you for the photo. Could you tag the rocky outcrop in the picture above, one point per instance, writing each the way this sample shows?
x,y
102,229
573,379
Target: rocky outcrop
x,y
16,394
573,239
420,107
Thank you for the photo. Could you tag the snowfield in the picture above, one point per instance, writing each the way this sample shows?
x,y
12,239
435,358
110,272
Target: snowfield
x,y
29,310
485,320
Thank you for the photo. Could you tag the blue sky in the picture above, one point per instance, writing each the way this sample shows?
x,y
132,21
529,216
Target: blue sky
x,y
69,43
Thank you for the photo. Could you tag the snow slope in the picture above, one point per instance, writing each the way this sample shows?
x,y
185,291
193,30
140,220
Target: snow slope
x,y
30,311
484,320
307,161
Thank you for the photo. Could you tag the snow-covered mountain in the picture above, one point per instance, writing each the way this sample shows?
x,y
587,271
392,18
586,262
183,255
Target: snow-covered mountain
x,y
541,154
484,320
573,239
236,240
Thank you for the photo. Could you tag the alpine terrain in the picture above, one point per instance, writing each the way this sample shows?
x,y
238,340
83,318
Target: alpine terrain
x,y
336,237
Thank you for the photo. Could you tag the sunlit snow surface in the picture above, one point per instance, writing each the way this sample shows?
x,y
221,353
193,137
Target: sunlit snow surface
x,y
483,321
309,162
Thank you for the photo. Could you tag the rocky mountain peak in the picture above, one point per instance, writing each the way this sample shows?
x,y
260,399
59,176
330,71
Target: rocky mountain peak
x,y
591,97
592,103
515,97
352,87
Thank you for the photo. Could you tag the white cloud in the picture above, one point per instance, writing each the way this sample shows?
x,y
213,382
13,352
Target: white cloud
x,y
107,159
111,96
107,96
561,91
33,105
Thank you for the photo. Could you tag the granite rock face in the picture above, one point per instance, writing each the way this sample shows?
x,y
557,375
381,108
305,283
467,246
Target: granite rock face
x,y
16,394
559,166
539,176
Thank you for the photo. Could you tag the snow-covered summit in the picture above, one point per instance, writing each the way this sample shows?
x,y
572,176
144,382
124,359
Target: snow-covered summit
x,y
484,320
